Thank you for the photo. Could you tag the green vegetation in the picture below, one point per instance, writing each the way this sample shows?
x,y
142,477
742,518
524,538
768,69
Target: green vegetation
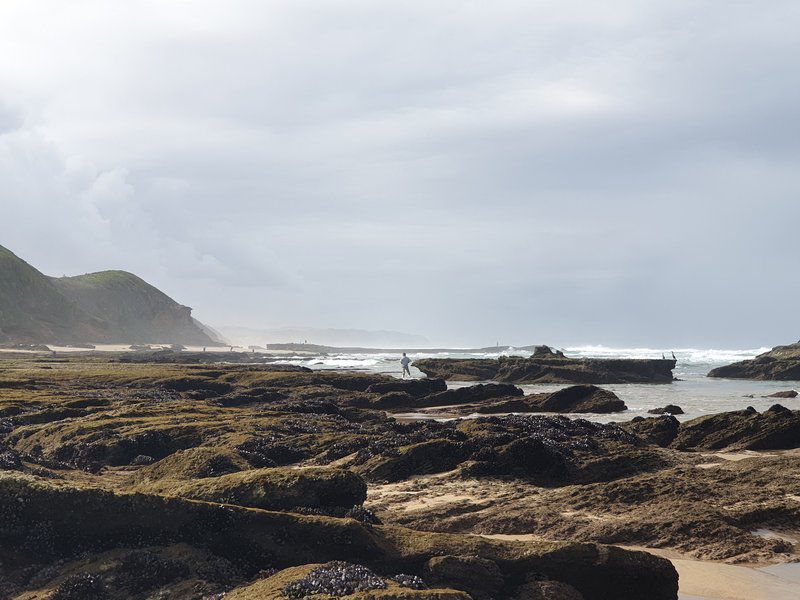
x,y
105,307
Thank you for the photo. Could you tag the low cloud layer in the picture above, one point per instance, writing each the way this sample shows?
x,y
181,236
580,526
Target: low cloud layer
x,y
520,172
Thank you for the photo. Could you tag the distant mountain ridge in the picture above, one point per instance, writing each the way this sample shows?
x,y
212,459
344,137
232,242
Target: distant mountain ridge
x,y
104,307
326,337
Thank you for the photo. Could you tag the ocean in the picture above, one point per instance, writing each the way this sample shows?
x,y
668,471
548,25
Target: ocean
x,y
695,393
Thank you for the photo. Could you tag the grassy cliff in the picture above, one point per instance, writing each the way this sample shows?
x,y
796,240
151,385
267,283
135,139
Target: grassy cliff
x,y
110,306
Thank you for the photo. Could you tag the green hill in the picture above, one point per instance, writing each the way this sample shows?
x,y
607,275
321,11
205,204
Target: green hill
x,y
105,307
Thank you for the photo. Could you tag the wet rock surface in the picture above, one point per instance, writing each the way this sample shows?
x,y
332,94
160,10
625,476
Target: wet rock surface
x,y
572,399
784,394
782,363
777,428
156,479
549,368
669,409
335,579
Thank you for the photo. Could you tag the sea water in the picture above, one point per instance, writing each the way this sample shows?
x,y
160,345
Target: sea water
x,y
695,393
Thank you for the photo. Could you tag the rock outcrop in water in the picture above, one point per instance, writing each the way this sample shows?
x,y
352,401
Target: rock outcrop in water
x,y
572,399
782,363
549,368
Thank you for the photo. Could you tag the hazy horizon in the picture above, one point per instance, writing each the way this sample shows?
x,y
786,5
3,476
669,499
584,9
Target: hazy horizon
x,y
569,173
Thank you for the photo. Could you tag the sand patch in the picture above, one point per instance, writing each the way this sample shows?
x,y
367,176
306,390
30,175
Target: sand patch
x,y
737,456
708,580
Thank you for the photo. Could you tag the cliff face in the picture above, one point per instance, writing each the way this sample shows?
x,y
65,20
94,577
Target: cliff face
x,y
131,309
106,307
782,363
549,370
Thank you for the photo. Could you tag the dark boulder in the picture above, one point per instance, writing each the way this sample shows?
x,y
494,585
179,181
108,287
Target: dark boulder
x,y
573,399
669,409
578,399
785,394
414,387
480,577
777,428
547,590
434,456
654,430
469,394
531,457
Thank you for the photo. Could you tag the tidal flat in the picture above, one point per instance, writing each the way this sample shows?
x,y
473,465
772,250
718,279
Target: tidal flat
x,y
190,481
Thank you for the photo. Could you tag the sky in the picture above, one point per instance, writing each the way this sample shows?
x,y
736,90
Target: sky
x,y
518,171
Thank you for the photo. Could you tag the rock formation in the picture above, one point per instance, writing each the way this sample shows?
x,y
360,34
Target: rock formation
x,y
669,409
782,363
549,368
572,399
140,480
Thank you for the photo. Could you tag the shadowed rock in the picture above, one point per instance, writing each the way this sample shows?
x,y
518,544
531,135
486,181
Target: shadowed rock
x,y
782,363
271,489
464,395
549,369
777,428
669,409
655,430
786,394
573,399
72,520
415,388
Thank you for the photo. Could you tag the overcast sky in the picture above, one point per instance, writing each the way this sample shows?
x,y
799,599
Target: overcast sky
x,y
563,171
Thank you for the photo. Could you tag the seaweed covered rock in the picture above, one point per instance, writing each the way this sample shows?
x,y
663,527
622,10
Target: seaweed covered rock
x,y
416,388
468,394
194,463
432,456
529,457
555,450
547,590
81,586
90,444
480,577
272,489
339,580
143,570
573,399
654,430
777,428
70,520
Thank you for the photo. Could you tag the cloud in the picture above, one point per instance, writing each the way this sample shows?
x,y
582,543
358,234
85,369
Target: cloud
x,y
562,171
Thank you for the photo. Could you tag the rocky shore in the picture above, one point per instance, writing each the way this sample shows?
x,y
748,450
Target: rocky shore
x,y
188,481
547,366
782,363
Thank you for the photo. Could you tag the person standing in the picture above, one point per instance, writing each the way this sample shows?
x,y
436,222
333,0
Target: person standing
x,y
405,361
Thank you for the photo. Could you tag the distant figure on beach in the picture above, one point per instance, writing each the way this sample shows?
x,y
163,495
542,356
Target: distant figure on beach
x,y
405,361
673,356
663,357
